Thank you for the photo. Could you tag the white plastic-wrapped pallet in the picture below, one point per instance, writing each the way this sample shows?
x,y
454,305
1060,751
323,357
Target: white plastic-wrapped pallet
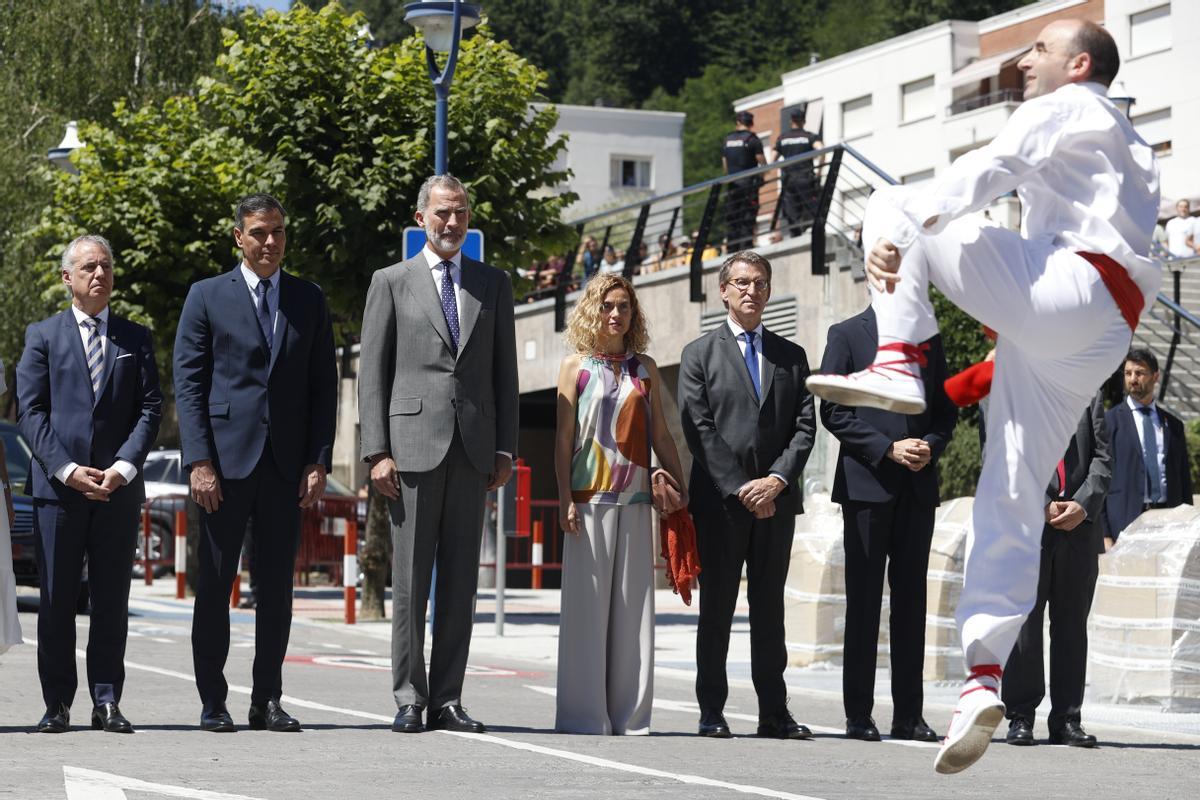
x,y
814,598
1144,630
943,648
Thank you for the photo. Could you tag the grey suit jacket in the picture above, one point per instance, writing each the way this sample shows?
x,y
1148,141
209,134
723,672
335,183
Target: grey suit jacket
x,y
735,437
411,388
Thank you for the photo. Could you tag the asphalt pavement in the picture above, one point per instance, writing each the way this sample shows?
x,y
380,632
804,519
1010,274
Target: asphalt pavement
x,y
337,681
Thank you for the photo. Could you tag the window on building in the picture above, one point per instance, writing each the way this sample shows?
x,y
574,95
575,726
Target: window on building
x,y
630,172
914,178
917,100
856,118
1150,31
1155,129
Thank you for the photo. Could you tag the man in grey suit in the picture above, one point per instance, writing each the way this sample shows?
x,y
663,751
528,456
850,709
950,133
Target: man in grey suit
x,y
749,423
438,407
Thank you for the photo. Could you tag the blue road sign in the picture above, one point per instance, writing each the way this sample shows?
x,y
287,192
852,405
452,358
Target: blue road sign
x,y
414,240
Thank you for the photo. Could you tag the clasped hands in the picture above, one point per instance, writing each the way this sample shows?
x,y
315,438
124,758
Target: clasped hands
x,y
95,484
911,453
1065,515
758,495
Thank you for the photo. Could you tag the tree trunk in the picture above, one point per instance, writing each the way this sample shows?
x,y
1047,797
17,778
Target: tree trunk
x,y
376,557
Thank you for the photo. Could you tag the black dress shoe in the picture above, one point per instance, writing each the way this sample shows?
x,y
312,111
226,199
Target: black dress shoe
x,y
918,731
453,718
408,720
1072,734
1020,732
107,717
216,719
713,725
782,726
55,720
272,717
862,728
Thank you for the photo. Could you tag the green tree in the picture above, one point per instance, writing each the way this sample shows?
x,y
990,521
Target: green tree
x,y
299,106
73,59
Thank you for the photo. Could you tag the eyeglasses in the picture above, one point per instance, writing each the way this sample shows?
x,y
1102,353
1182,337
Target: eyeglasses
x,y
743,284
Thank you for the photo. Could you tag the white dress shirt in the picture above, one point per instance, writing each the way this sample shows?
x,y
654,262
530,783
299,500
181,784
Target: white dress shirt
x,y
127,470
1178,230
1086,180
252,281
1142,420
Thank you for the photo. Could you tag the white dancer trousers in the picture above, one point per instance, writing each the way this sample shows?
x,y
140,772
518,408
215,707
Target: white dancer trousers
x,y
606,627
1060,336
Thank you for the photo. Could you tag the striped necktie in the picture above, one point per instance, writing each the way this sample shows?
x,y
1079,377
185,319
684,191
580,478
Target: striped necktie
x,y
95,353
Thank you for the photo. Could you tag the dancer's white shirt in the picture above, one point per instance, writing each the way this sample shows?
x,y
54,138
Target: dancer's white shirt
x,y
1081,187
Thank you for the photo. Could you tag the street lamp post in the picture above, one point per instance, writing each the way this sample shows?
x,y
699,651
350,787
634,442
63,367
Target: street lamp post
x,y
442,22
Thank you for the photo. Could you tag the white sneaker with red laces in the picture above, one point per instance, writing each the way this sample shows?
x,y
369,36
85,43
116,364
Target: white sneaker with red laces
x,y
891,383
975,718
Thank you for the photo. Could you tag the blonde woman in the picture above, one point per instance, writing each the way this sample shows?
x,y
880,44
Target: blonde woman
x,y
609,418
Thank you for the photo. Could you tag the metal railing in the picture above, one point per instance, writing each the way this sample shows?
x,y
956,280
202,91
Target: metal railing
x,y
822,193
983,100
1169,326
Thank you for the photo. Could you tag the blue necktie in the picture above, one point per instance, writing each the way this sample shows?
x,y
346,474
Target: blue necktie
x,y
449,306
95,353
752,362
264,312
1150,456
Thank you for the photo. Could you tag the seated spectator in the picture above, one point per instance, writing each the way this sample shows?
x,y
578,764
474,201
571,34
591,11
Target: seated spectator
x,y
710,251
612,261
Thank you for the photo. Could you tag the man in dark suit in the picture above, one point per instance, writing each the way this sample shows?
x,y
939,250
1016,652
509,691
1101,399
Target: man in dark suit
x,y
255,387
437,399
90,405
1072,541
1151,468
887,484
749,423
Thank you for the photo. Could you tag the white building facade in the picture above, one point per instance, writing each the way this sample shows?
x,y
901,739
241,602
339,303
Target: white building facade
x,y
914,103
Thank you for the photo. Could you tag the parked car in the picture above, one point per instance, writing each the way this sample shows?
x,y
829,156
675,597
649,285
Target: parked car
x,y
18,456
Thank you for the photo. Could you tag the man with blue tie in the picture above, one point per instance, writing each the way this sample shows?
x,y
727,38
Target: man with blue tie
x,y
1151,468
255,388
437,401
749,423
90,406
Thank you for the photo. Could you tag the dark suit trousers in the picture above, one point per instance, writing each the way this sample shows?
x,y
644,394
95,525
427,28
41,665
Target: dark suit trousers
x,y
106,533
439,516
728,537
1066,582
272,503
897,534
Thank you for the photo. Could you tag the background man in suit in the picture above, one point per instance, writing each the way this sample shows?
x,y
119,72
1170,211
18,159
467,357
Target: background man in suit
x,y
1072,541
437,397
1151,468
749,423
255,386
87,387
887,485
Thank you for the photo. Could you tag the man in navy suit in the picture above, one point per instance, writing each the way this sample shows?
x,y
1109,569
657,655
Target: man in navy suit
x,y
255,387
90,405
1151,468
887,484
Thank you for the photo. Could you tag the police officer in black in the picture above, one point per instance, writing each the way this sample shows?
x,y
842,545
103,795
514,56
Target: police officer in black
x,y
741,150
799,182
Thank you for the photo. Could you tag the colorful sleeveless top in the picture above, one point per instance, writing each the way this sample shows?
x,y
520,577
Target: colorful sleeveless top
x,y
611,459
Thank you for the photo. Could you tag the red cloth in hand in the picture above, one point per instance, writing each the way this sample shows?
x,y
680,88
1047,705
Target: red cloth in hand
x,y
971,385
679,549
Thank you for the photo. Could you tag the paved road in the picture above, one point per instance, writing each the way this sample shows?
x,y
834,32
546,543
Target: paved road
x,y
338,684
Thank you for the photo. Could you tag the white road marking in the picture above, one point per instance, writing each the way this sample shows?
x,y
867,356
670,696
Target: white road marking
x,y
621,766
89,784
692,708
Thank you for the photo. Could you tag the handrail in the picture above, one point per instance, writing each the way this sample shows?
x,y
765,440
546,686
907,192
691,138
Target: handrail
x,y
695,188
